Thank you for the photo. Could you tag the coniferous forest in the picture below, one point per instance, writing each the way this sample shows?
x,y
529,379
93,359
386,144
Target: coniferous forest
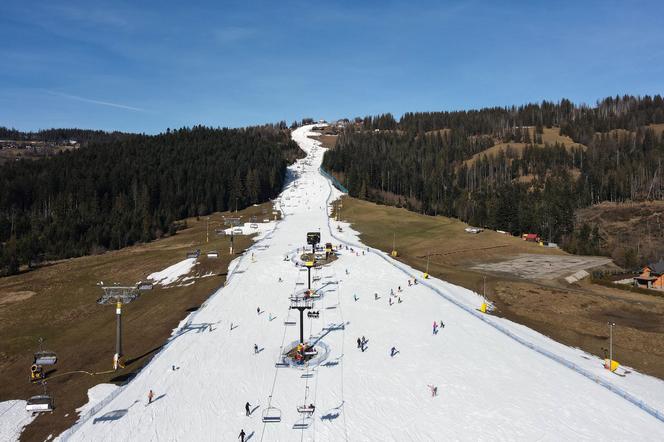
x,y
123,189
436,163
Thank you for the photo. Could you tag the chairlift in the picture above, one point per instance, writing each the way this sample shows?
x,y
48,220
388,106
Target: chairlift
x,y
44,357
271,414
311,351
306,409
303,423
40,404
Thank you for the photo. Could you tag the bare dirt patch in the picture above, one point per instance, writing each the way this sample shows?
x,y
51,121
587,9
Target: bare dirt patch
x,y
11,297
543,266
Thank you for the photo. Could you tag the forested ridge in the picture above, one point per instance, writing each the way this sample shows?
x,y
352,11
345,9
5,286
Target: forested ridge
x,y
433,162
82,136
118,192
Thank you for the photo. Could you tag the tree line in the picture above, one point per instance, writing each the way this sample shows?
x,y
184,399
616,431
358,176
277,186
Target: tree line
x,y
425,162
118,192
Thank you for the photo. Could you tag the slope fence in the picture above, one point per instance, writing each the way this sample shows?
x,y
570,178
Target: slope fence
x,y
335,181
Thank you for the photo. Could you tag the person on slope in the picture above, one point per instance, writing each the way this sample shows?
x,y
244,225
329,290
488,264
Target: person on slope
x,y
150,396
435,327
255,348
241,436
247,409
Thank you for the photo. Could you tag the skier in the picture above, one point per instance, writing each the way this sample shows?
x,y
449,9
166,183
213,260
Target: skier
x,y
355,297
247,409
231,326
241,436
399,289
390,299
258,310
150,396
414,281
391,292
375,296
442,324
359,343
409,284
393,351
399,299
280,280
346,271
435,327
209,327
255,348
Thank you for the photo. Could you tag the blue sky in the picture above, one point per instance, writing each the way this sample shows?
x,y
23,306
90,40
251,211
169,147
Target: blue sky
x,y
146,66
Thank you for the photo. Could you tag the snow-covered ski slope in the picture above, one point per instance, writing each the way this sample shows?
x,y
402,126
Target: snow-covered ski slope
x,y
490,387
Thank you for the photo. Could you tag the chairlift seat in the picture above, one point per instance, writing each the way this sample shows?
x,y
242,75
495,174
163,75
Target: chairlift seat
x,y
305,409
45,358
302,424
39,404
272,415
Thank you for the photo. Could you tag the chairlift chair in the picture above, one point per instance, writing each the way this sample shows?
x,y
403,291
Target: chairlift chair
x,y
43,357
303,423
271,415
311,352
40,404
306,409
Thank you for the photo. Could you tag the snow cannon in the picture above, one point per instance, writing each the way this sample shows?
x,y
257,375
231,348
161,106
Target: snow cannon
x,y
426,275
611,365
394,254
36,373
483,307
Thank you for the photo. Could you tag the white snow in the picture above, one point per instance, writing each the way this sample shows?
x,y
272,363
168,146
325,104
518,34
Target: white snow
x,y
491,387
95,395
171,274
13,418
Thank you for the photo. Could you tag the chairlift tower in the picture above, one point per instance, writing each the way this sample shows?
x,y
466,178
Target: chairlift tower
x,y
232,222
301,304
309,265
118,295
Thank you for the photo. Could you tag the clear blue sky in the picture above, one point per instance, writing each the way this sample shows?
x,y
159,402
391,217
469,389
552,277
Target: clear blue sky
x,y
145,67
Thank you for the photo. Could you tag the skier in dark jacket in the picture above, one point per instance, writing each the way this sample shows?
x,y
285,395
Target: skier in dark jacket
x,y
247,408
241,436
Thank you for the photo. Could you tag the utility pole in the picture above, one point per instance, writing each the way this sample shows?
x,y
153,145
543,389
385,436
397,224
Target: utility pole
x,y
118,295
